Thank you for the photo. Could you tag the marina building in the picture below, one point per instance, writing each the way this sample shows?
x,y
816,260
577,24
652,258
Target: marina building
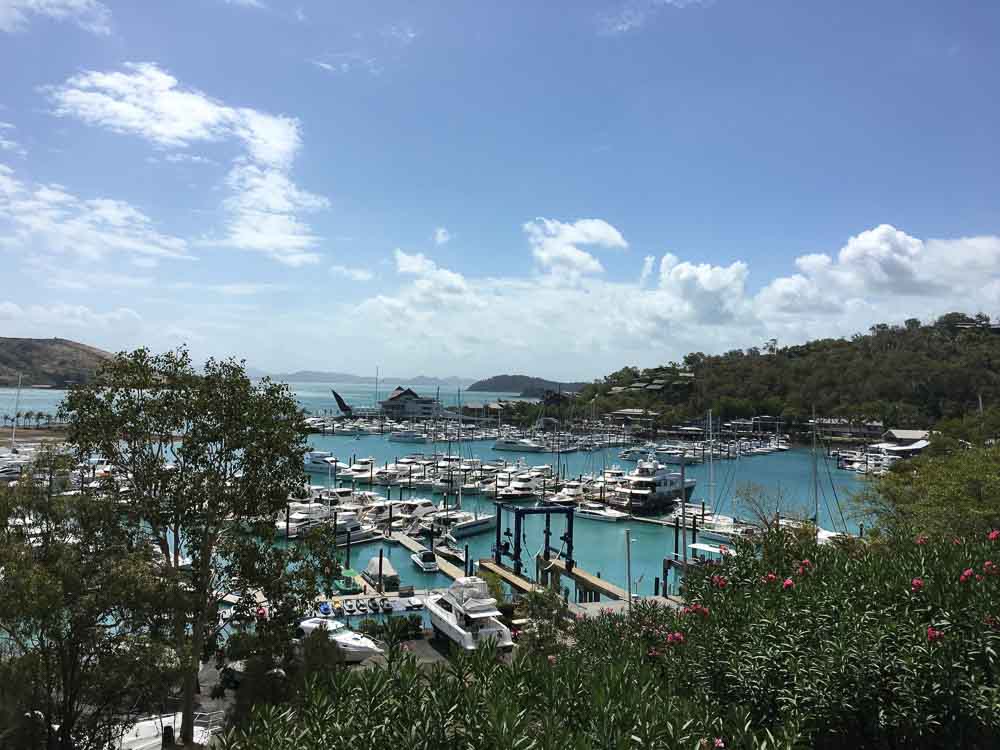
x,y
405,403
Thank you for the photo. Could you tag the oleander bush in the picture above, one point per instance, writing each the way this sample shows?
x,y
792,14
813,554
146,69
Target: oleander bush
x,y
889,644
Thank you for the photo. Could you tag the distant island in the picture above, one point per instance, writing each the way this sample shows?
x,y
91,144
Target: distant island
x,y
55,363
525,385
313,376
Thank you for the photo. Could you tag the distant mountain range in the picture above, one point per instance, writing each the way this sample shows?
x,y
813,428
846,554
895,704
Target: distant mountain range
x,y
525,385
313,376
48,362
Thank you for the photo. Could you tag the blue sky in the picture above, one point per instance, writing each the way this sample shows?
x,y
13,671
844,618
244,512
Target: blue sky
x,y
470,188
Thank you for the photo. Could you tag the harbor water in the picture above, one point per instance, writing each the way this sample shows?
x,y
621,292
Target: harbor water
x,y
783,478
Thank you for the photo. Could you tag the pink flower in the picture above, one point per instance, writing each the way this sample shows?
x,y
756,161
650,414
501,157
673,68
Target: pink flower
x,y
696,609
978,577
956,540
922,539
993,535
806,564
552,659
933,634
788,584
719,743
966,575
675,638
917,585
989,567
653,652
719,581
406,647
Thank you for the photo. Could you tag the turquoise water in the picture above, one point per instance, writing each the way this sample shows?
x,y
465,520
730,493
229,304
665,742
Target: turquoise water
x,y
600,547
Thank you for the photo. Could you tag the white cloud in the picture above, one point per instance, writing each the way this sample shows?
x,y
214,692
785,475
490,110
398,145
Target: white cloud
x,y
403,34
442,236
185,158
265,207
541,323
51,320
89,15
7,143
555,244
246,3
354,274
348,62
634,14
647,269
708,293
48,220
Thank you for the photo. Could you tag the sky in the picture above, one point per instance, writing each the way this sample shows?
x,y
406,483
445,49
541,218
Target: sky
x,y
464,188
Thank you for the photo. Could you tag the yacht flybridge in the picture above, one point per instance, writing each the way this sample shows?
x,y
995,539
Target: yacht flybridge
x,y
466,615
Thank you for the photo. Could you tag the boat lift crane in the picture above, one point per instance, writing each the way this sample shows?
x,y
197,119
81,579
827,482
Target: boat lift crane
x,y
503,547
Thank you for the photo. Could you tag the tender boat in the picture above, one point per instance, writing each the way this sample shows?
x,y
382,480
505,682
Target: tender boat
x,y
425,560
466,615
353,646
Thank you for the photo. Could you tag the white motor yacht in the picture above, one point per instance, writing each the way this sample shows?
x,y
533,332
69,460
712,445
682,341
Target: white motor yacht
x,y
570,495
650,487
408,436
598,512
467,615
353,646
519,445
425,560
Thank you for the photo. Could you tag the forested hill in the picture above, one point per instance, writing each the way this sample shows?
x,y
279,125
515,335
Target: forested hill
x,y
55,362
523,384
909,375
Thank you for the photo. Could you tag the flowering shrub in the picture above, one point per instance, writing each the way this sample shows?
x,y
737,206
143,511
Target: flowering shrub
x,y
854,659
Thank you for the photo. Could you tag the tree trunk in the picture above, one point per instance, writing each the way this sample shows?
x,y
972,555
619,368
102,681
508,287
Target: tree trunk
x,y
191,680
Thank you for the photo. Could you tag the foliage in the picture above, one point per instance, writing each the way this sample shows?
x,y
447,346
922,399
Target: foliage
x,y
790,645
906,376
77,603
203,463
953,494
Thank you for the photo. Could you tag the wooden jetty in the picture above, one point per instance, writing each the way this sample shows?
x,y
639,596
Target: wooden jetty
x,y
448,568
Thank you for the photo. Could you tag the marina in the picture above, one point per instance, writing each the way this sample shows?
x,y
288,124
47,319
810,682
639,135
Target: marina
x,y
389,483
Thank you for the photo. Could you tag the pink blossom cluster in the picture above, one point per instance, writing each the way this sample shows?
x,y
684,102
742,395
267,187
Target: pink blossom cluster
x,y
696,609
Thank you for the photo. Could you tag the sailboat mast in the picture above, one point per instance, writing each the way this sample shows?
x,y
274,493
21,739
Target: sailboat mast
x,y
711,463
17,407
815,472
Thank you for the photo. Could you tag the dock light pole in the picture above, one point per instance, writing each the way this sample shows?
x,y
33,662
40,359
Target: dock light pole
x,y
628,566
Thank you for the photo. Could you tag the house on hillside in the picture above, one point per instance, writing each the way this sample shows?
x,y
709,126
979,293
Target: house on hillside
x,y
906,437
405,403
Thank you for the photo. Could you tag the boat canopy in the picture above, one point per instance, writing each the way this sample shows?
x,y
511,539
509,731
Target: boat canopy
x,y
387,570
702,547
473,595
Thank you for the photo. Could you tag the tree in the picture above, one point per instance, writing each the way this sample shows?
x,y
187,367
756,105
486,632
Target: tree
x,y
203,464
77,599
951,495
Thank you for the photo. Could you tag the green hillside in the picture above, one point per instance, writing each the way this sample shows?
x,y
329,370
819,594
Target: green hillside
x,y
910,374
52,362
